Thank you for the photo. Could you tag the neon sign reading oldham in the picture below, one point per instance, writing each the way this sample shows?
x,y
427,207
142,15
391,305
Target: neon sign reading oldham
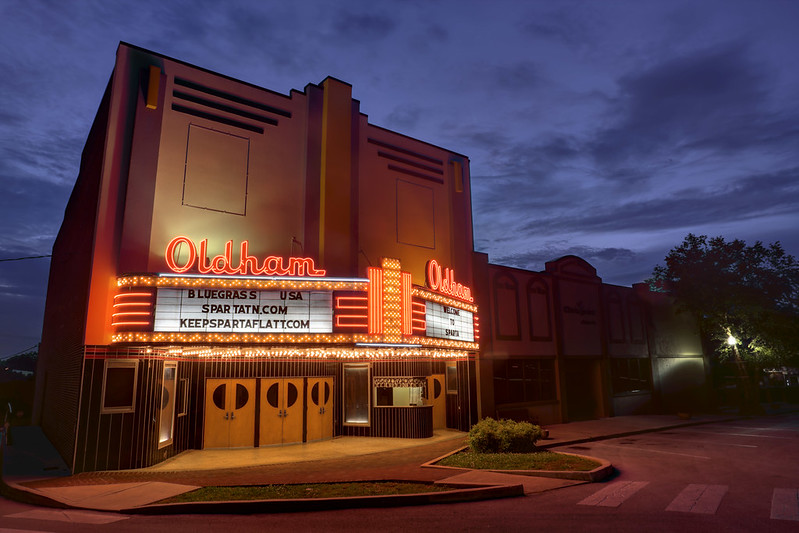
x,y
246,265
443,281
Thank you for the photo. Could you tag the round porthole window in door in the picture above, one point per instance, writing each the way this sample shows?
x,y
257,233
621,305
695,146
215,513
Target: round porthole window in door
x,y
242,395
291,395
219,396
315,394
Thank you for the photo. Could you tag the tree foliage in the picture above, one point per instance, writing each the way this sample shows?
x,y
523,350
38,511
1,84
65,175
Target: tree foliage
x,y
748,292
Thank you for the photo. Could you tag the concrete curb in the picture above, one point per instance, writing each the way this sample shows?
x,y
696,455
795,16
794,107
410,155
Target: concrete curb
x,y
15,492
597,474
326,504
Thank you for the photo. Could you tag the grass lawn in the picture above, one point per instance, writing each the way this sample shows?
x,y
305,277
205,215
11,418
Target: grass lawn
x,y
544,460
307,490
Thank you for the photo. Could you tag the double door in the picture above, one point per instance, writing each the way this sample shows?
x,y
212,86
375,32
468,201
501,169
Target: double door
x,y
229,413
281,411
291,410
291,405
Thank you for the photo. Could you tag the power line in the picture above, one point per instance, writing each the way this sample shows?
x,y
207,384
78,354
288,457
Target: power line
x,y
23,258
20,352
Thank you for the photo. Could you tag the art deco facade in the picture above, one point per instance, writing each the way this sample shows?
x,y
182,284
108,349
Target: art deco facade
x,y
240,268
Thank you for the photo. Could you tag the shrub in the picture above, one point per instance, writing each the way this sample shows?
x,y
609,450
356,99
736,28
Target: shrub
x,y
503,436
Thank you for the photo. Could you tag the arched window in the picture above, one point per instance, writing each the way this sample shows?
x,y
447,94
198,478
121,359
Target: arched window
x,y
615,318
538,310
506,307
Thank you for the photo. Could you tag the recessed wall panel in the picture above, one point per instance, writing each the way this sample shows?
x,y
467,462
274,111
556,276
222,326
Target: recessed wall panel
x,y
415,215
215,175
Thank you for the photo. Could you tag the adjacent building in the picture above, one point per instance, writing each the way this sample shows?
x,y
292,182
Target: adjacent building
x,y
243,268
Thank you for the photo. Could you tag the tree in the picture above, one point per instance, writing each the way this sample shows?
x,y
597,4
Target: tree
x,y
745,297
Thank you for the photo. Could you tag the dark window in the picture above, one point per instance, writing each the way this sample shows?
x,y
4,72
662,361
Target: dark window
x,y
356,394
452,379
524,380
183,397
631,375
119,386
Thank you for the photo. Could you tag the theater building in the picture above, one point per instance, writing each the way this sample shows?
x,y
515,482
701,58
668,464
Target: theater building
x,y
243,268
238,268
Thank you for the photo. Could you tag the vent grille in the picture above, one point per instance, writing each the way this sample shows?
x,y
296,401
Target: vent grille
x,y
220,112
410,163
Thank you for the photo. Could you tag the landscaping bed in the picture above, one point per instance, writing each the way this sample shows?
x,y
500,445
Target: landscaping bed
x,y
542,460
306,490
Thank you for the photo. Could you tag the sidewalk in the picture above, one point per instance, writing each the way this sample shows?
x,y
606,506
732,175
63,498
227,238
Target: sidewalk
x,y
33,472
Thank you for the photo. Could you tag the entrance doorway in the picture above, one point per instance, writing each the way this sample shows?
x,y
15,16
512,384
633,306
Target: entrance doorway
x,y
583,399
281,411
229,413
320,409
437,398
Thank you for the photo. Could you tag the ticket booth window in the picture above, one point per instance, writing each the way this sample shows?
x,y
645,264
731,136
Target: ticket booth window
x,y
399,391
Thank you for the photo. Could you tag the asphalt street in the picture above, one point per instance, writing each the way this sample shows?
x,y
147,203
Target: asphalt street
x,y
733,476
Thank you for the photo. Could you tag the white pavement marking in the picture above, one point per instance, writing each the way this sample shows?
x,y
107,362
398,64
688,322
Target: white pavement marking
x,y
653,451
704,499
781,427
717,443
785,504
614,494
735,435
69,515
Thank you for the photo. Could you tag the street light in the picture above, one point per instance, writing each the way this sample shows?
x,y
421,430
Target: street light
x,y
732,341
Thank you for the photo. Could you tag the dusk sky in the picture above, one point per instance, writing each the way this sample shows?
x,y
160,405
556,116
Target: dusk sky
x,y
605,129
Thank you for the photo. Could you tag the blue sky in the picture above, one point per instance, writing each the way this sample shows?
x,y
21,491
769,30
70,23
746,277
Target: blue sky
x,y
607,130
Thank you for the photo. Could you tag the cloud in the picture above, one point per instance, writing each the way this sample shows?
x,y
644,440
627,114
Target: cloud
x,y
710,98
568,25
748,198
520,76
362,28
404,118
535,259
32,212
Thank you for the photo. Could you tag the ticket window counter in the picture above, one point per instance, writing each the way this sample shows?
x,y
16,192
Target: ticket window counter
x,y
401,408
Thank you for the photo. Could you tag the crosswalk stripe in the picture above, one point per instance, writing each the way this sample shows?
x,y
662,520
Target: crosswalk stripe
x,y
614,494
785,504
704,499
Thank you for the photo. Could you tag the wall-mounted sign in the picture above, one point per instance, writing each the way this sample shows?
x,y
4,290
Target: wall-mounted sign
x,y
197,257
443,281
446,322
243,311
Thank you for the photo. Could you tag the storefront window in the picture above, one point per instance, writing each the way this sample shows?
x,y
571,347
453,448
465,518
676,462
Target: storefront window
x,y
167,404
631,375
119,386
356,394
524,380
